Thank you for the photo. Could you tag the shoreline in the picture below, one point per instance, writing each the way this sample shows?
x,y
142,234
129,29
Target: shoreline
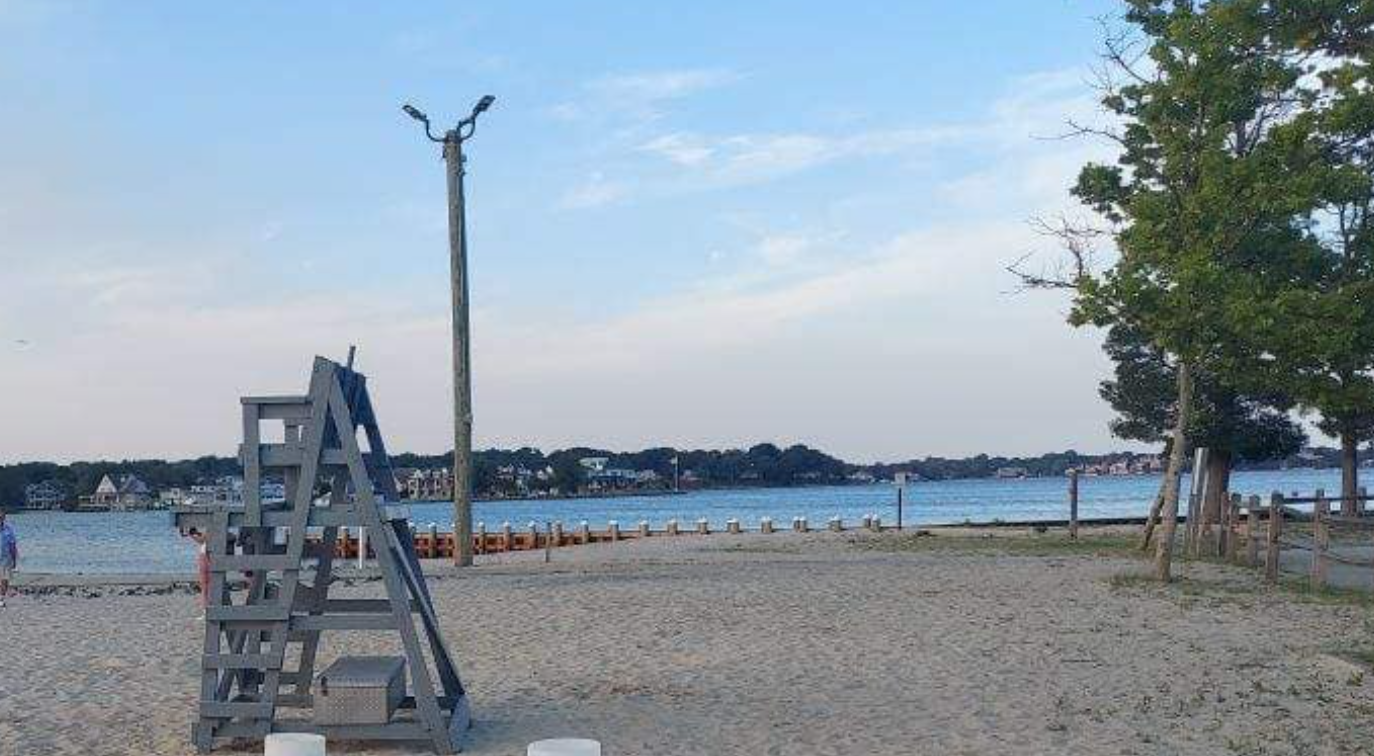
x,y
346,569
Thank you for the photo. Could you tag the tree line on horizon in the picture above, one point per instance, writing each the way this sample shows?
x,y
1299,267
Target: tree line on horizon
x,y
761,465
1228,249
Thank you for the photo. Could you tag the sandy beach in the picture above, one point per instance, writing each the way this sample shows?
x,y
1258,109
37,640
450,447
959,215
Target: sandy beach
x,y
782,644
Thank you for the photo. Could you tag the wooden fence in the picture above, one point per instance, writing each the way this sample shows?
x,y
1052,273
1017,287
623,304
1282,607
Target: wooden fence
x,y
1256,534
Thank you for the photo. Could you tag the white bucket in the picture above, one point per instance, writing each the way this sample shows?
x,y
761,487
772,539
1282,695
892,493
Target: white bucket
x,y
564,747
293,744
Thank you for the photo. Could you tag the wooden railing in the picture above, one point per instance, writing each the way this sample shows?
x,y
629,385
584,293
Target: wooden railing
x,y
1287,527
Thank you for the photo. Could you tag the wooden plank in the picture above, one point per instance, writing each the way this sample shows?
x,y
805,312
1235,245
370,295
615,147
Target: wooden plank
x,y
274,400
203,734
250,562
360,606
286,456
344,622
234,709
251,613
287,412
237,661
252,469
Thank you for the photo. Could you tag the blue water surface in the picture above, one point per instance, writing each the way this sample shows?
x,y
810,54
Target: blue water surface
x,y
145,542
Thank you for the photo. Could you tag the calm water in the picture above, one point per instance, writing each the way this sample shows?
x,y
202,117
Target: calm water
x,y
144,542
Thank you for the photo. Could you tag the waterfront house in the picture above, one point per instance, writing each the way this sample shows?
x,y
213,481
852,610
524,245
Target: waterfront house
x,y
106,494
49,494
133,494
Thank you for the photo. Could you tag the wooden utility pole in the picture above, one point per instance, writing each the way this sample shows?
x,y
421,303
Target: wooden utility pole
x,y
462,352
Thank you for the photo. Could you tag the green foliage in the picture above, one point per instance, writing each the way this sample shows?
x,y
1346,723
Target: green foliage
x,y
1251,426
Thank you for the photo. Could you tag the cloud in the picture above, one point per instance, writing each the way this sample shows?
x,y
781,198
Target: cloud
x,y
640,96
595,191
656,86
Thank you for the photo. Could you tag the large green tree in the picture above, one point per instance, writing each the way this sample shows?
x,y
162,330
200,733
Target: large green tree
x,y
1196,190
1316,329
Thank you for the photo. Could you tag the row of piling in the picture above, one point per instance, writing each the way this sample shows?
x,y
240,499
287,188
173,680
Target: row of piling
x,y
431,543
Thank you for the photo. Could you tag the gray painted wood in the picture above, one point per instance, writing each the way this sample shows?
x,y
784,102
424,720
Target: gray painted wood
x,y
286,599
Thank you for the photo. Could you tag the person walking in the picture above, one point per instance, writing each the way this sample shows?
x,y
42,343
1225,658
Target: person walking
x,y
9,557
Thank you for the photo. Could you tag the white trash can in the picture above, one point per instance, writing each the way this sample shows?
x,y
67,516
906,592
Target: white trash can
x,y
564,747
293,744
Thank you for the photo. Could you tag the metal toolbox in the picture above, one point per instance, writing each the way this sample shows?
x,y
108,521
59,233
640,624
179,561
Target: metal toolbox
x,y
360,690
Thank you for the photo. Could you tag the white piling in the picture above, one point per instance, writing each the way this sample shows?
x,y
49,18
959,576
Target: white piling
x,y
732,525
362,547
564,747
307,744
765,524
644,528
836,524
703,526
671,527
877,524
613,530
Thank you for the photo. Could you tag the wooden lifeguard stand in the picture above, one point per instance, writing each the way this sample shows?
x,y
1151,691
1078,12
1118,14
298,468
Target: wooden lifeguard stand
x,y
268,599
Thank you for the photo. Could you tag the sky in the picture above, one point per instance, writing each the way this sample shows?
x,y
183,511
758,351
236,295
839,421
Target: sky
x,y
706,225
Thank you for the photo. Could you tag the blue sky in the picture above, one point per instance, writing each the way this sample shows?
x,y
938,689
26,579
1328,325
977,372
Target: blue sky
x,y
706,225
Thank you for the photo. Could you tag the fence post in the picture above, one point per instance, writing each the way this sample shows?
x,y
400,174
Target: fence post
x,y
1190,528
1252,531
556,531
1359,502
1073,503
1271,552
480,535
1230,543
1320,511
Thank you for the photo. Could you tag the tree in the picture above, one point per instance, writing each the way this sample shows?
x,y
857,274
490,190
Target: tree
x,y
1317,328
1193,195
1234,425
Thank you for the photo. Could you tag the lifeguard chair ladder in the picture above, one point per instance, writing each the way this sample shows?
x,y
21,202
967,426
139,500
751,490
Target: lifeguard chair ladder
x,y
260,555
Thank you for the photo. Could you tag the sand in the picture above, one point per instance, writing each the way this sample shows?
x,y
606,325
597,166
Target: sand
x,y
780,644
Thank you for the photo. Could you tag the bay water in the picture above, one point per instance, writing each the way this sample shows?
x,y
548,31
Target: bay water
x,y
146,542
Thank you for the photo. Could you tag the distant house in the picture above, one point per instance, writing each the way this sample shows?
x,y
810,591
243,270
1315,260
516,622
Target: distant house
x,y
133,494
593,464
1010,472
106,494
50,494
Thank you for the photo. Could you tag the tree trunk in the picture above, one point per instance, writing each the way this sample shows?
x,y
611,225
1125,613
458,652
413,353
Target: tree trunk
x,y
1147,536
1164,547
1218,483
1350,471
